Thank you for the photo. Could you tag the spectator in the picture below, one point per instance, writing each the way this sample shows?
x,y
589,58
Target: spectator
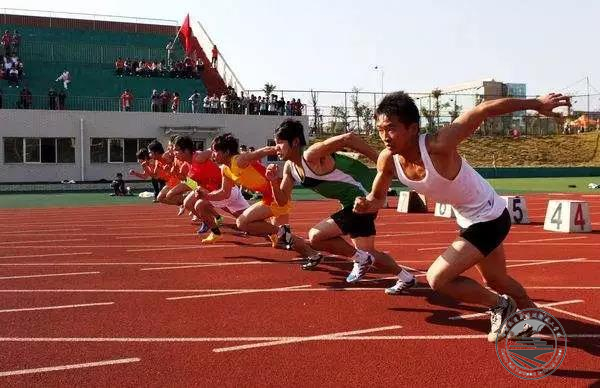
x,y
195,100
169,49
214,104
175,103
52,99
253,105
62,97
224,103
215,55
25,99
243,149
288,108
199,66
120,66
5,41
65,77
118,186
155,101
273,106
281,106
251,149
515,133
244,101
264,105
188,64
206,104
126,101
164,100
15,42
128,66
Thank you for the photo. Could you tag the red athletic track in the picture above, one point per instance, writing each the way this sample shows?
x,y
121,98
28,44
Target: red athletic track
x,y
173,342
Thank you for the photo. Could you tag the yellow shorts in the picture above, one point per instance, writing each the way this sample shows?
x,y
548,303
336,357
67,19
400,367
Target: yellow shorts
x,y
191,183
280,210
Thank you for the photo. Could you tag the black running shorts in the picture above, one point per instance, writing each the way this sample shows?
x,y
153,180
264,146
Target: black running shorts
x,y
354,224
487,236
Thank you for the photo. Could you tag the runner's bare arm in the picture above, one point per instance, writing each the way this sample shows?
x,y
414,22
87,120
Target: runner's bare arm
x,y
337,143
463,127
218,195
282,188
243,160
375,200
202,156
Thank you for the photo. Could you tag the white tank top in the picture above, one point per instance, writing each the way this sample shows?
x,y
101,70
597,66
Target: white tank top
x,y
472,197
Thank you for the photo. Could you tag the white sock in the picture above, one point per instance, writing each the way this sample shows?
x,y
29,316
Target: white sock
x,y
361,256
405,276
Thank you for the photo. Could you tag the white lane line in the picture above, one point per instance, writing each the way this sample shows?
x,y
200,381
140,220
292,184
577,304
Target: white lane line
x,y
579,260
257,339
42,241
138,236
237,292
552,239
56,307
323,289
209,265
585,318
67,367
477,315
45,255
49,275
305,339
204,246
40,231
433,248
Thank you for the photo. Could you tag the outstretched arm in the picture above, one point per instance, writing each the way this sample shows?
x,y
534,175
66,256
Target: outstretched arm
x,y
337,143
243,160
375,200
282,188
218,195
464,126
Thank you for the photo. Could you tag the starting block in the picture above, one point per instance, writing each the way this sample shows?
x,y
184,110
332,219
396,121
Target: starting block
x,y
517,208
568,216
411,202
444,210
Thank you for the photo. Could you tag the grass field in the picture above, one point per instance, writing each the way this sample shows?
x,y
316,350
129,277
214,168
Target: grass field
x,y
503,186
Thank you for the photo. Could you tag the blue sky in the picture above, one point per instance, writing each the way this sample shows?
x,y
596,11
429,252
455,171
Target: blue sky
x,y
420,45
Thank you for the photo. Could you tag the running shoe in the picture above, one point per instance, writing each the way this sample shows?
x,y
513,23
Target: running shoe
x,y
360,269
400,286
284,237
312,262
203,228
212,238
499,313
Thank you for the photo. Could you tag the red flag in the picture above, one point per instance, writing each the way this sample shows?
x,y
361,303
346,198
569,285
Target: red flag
x,y
186,35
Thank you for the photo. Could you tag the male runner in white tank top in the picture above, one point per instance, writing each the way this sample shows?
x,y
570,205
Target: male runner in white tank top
x,y
430,164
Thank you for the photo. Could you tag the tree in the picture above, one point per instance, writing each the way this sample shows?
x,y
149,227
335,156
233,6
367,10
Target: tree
x,y
269,89
341,113
317,118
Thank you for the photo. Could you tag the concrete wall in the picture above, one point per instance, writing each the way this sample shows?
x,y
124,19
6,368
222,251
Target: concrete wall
x,y
251,130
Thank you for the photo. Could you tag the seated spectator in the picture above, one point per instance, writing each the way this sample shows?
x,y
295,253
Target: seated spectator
x,y
5,41
118,186
65,77
119,66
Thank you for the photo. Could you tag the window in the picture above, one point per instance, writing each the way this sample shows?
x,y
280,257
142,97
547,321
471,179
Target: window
x,y
98,150
65,150
13,150
199,145
271,158
32,150
48,150
131,148
115,151
39,150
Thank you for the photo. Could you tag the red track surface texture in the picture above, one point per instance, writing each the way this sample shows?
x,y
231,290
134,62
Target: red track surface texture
x,y
127,296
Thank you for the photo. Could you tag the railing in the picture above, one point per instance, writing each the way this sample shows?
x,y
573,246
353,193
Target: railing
x,y
223,68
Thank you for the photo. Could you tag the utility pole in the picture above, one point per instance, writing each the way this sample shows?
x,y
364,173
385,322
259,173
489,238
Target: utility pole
x,y
588,95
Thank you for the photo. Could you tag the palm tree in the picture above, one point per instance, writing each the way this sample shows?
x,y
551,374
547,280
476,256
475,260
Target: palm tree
x,y
268,89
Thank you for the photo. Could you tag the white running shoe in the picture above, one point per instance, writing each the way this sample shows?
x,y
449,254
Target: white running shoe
x,y
499,313
400,286
360,269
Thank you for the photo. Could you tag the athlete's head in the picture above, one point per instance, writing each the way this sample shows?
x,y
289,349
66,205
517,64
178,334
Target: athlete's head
x,y
155,149
142,155
397,121
289,136
183,146
224,147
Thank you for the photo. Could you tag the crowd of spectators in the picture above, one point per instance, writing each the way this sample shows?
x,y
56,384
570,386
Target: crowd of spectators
x,y
186,68
230,102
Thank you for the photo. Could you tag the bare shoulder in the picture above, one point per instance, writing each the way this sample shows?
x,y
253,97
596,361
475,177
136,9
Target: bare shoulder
x,y
439,143
385,161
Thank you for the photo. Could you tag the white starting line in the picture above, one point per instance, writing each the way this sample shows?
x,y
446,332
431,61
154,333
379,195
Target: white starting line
x,y
67,367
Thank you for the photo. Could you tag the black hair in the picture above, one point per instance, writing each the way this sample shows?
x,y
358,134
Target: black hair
x,y
119,175
289,130
226,143
401,106
184,143
173,138
156,147
243,147
142,154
